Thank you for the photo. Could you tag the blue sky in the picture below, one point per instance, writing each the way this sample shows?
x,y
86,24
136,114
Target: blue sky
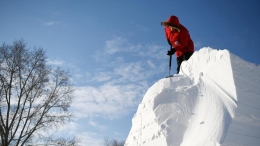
x,y
115,50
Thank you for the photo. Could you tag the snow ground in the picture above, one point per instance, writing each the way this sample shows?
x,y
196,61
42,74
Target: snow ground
x,y
213,101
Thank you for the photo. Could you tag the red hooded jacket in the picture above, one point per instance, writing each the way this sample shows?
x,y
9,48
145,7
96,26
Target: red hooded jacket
x,y
180,41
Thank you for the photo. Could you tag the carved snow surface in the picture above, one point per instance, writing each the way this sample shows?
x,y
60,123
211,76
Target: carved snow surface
x,y
213,101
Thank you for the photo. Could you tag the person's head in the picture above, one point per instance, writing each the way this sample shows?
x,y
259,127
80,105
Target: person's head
x,y
174,20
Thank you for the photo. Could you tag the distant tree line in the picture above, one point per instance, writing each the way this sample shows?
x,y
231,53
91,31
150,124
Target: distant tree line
x,y
113,142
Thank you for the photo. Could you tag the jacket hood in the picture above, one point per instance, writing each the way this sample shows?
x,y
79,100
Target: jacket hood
x,y
174,20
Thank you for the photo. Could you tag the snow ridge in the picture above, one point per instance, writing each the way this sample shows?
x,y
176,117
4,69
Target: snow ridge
x,y
198,107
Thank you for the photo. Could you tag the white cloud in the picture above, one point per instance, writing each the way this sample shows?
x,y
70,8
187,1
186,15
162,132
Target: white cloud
x,y
131,72
109,101
102,77
151,64
115,45
115,88
127,50
50,23
78,76
55,62
153,51
122,82
95,124
119,44
70,128
90,139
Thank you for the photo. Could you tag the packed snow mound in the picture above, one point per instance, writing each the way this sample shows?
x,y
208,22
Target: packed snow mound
x,y
214,101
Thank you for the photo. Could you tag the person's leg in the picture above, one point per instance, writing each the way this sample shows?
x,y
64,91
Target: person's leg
x,y
187,55
179,61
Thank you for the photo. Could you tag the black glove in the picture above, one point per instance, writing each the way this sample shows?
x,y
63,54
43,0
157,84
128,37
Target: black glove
x,y
171,52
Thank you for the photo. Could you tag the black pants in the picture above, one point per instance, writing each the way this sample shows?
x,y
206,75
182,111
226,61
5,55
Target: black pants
x,y
185,56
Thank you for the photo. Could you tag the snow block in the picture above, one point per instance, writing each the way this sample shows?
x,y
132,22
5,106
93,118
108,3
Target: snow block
x,y
212,102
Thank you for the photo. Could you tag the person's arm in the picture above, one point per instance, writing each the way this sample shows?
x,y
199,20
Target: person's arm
x,y
179,40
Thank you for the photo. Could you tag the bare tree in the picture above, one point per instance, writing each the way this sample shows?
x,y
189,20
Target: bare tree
x,y
34,98
108,142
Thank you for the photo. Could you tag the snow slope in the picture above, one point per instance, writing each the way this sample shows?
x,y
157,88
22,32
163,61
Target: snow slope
x,y
213,101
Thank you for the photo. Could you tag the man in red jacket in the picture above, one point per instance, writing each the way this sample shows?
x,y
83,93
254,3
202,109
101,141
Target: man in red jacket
x,y
179,39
